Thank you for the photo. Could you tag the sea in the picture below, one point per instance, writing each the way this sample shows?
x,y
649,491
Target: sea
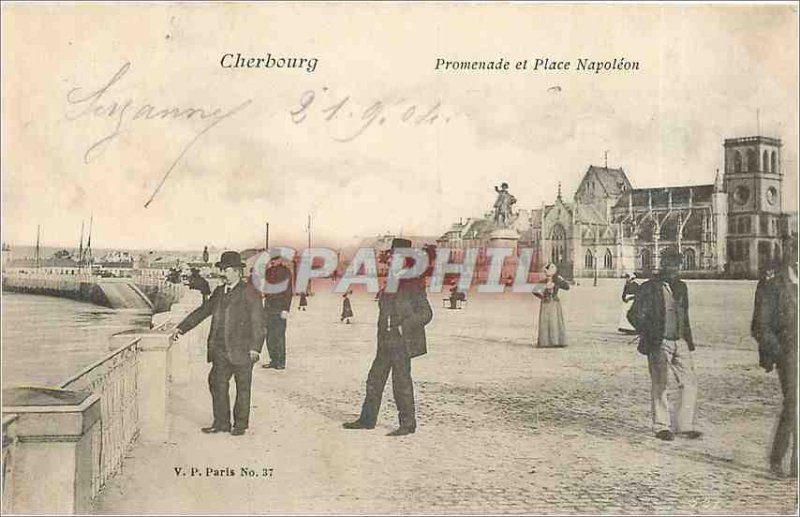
x,y
46,340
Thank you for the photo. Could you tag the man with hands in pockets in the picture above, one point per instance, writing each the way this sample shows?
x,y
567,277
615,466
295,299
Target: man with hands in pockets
x,y
277,302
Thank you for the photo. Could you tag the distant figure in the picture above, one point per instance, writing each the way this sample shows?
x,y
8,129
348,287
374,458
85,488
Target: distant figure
x,y
347,309
234,343
402,318
276,311
205,255
303,302
174,276
198,283
660,314
456,296
552,331
628,295
775,329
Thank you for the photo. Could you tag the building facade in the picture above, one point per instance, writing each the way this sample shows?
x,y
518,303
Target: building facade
x,y
731,227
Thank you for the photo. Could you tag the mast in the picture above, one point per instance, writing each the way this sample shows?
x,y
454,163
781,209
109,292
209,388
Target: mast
x,y
80,247
309,230
89,258
38,232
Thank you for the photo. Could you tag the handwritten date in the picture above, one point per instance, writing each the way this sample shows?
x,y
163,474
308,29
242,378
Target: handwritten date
x,y
353,120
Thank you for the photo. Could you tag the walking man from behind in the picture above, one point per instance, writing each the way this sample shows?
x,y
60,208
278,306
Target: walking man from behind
x,y
660,315
775,329
234,343
402,317
276,311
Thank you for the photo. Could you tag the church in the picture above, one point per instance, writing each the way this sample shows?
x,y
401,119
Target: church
x,y
730,227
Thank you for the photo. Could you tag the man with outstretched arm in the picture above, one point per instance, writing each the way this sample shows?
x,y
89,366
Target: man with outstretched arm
x,y
234,343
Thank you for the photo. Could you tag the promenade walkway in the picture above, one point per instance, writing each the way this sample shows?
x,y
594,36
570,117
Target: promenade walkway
x,y
503,427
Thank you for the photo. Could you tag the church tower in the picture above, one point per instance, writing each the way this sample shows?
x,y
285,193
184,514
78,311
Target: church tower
x,y
752,181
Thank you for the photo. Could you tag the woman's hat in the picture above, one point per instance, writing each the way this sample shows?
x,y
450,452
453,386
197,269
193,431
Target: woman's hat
x,y
550,269
230,259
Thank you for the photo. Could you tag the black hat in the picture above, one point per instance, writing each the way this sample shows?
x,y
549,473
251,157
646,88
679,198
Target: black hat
x,y
400,243
230,259
671,257
504,185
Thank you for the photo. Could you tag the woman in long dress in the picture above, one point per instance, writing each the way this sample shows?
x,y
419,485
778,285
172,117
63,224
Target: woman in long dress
x,y
347,309
552,331
628,295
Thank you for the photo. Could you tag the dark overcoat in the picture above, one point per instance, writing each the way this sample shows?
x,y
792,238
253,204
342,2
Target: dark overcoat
x,y
407,309
647,314
237,325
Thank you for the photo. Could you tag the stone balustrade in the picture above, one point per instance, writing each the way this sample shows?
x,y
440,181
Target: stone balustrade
x,y
61,445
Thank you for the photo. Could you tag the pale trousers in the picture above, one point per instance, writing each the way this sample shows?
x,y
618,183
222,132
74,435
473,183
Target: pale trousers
x,y
673,357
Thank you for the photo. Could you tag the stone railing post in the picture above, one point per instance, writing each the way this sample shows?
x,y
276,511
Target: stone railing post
x,y
181,352
153,380
57,454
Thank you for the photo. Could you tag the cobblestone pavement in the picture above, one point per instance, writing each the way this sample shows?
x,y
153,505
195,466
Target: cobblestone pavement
x,y
503,427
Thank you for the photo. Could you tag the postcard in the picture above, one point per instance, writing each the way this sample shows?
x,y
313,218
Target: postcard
x,y
399,258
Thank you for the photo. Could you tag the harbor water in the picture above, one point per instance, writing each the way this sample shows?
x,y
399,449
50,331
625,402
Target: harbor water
x,y
45,340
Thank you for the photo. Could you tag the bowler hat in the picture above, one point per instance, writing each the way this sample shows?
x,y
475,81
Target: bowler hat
x,y
400,243
671,257
230,259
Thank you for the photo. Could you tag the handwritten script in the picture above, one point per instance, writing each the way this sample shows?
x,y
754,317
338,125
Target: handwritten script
x,y
346,118
349,120
123,114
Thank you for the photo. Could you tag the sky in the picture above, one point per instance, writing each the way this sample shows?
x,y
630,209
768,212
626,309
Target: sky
x,y
385,143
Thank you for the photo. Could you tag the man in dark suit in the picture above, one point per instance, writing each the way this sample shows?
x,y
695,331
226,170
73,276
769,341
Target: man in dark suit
x,y
775,328
660,315
276,311
402,318
234,343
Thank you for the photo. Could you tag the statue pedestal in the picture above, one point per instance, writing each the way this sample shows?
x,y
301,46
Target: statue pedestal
x,y
506,238
503,238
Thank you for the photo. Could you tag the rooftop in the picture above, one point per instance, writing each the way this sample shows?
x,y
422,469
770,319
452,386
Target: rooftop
x,y
699,194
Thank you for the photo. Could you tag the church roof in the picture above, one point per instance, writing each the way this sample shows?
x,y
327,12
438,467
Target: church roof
x,y
613,181
588,214
700,194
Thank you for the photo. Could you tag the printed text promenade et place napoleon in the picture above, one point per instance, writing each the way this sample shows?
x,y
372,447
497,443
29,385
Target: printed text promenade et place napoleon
x,y
540,64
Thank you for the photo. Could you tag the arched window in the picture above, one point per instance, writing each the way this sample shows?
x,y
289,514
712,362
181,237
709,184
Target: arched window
x,y
608,260
737,161
588,261
752,160
646,259
689,261
559,237
765,162
774,163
